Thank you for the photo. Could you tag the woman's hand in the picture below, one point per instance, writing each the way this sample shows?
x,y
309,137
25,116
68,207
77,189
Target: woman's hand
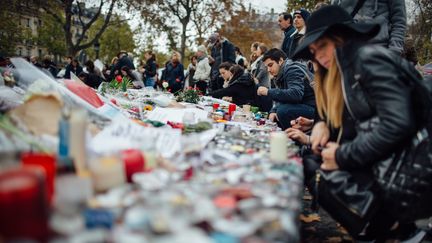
x,y
273,117
329,157
262,91
319,137
297,135
301,123
226,98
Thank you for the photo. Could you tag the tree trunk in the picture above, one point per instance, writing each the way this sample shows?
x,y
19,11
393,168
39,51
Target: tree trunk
x,y
183,42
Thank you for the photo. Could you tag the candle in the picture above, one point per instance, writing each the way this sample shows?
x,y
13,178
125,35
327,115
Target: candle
x,y
47,163
231,108
107,173
23,204
278,146
215,106
133,162
77,149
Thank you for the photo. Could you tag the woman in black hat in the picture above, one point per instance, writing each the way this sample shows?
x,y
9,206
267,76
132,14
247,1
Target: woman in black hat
x,y
364,106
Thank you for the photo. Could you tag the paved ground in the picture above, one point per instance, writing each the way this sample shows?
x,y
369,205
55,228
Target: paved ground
x,y
322,228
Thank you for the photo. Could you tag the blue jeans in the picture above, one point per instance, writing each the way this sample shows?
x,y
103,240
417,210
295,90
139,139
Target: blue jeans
x,y
288,112
149,81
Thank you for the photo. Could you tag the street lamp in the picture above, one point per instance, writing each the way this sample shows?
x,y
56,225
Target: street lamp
x,y
97,48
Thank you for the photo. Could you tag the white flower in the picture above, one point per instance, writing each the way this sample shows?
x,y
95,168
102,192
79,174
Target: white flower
x,y
165,85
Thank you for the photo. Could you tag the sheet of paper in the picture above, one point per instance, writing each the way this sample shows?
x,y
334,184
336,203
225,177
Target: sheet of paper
x,y
176,115
123,134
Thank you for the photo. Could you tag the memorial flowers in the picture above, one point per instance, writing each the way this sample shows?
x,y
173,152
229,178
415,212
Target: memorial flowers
x,y
190,95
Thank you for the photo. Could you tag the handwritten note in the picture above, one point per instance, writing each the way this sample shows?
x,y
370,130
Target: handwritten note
x,y
124,135
176,115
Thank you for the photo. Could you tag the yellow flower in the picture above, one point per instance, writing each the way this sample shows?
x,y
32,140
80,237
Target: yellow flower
x,y
148,108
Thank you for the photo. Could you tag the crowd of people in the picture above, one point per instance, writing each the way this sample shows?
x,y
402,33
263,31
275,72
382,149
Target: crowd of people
x,y
337,85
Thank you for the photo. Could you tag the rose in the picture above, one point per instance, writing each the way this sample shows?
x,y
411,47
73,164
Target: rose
x,y
119,79
165,85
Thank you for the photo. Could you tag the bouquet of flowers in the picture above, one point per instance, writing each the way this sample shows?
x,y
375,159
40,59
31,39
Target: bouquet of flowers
x,y
190,95
117,83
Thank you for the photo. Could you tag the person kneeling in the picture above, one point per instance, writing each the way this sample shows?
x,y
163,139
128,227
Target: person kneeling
x,y
293,94
240,86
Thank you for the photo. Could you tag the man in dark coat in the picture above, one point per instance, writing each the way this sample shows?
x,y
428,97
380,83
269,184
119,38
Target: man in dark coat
x,y
222,50
300,18
285,22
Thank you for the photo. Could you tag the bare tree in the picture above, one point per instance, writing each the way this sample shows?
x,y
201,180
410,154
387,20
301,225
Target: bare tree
x,y
168,16
63,12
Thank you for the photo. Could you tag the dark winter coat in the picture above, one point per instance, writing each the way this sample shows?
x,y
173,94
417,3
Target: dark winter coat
x,y
293,85
242,89
390,15
76,70
150,68
223,53
174,75
288,40
378,98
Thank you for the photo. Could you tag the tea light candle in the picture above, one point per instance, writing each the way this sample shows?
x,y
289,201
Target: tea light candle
x,y
107,173
278,146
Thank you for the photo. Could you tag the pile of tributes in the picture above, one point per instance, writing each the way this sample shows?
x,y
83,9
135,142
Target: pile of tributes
x,y
126,165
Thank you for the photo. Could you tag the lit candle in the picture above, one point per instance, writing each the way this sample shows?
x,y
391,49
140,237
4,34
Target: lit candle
x,y
278,146
107,173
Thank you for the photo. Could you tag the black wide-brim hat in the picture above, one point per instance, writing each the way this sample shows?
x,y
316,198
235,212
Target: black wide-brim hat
x,y
332,19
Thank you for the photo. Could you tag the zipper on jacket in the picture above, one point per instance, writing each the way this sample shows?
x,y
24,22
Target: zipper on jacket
x,y
343,87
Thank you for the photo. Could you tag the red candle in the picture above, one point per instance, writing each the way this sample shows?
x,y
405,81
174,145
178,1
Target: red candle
x,y
133,162
47,163
215,106
231,108
23,204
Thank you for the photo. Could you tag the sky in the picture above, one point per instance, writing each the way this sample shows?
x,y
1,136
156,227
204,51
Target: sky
x,y
278,5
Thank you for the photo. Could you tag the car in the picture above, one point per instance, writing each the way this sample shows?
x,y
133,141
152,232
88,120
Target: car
x,y
427,69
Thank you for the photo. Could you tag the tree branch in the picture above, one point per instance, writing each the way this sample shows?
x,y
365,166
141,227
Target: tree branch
x,y
100,32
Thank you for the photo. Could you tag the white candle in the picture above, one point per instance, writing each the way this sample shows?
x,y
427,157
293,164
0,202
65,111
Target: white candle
x,y
278,146
107,173
77,135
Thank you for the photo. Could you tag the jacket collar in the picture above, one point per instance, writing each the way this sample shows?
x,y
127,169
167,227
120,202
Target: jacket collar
x,y
289,30
346,54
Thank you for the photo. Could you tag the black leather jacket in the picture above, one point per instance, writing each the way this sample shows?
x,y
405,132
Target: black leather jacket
x,y
375,83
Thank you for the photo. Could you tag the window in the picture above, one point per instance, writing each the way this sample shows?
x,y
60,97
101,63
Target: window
x,y
19,51
29,51
40,52
28,23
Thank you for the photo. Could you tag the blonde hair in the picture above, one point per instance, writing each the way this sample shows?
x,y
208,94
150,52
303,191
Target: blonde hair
x,y
328,94
176,53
